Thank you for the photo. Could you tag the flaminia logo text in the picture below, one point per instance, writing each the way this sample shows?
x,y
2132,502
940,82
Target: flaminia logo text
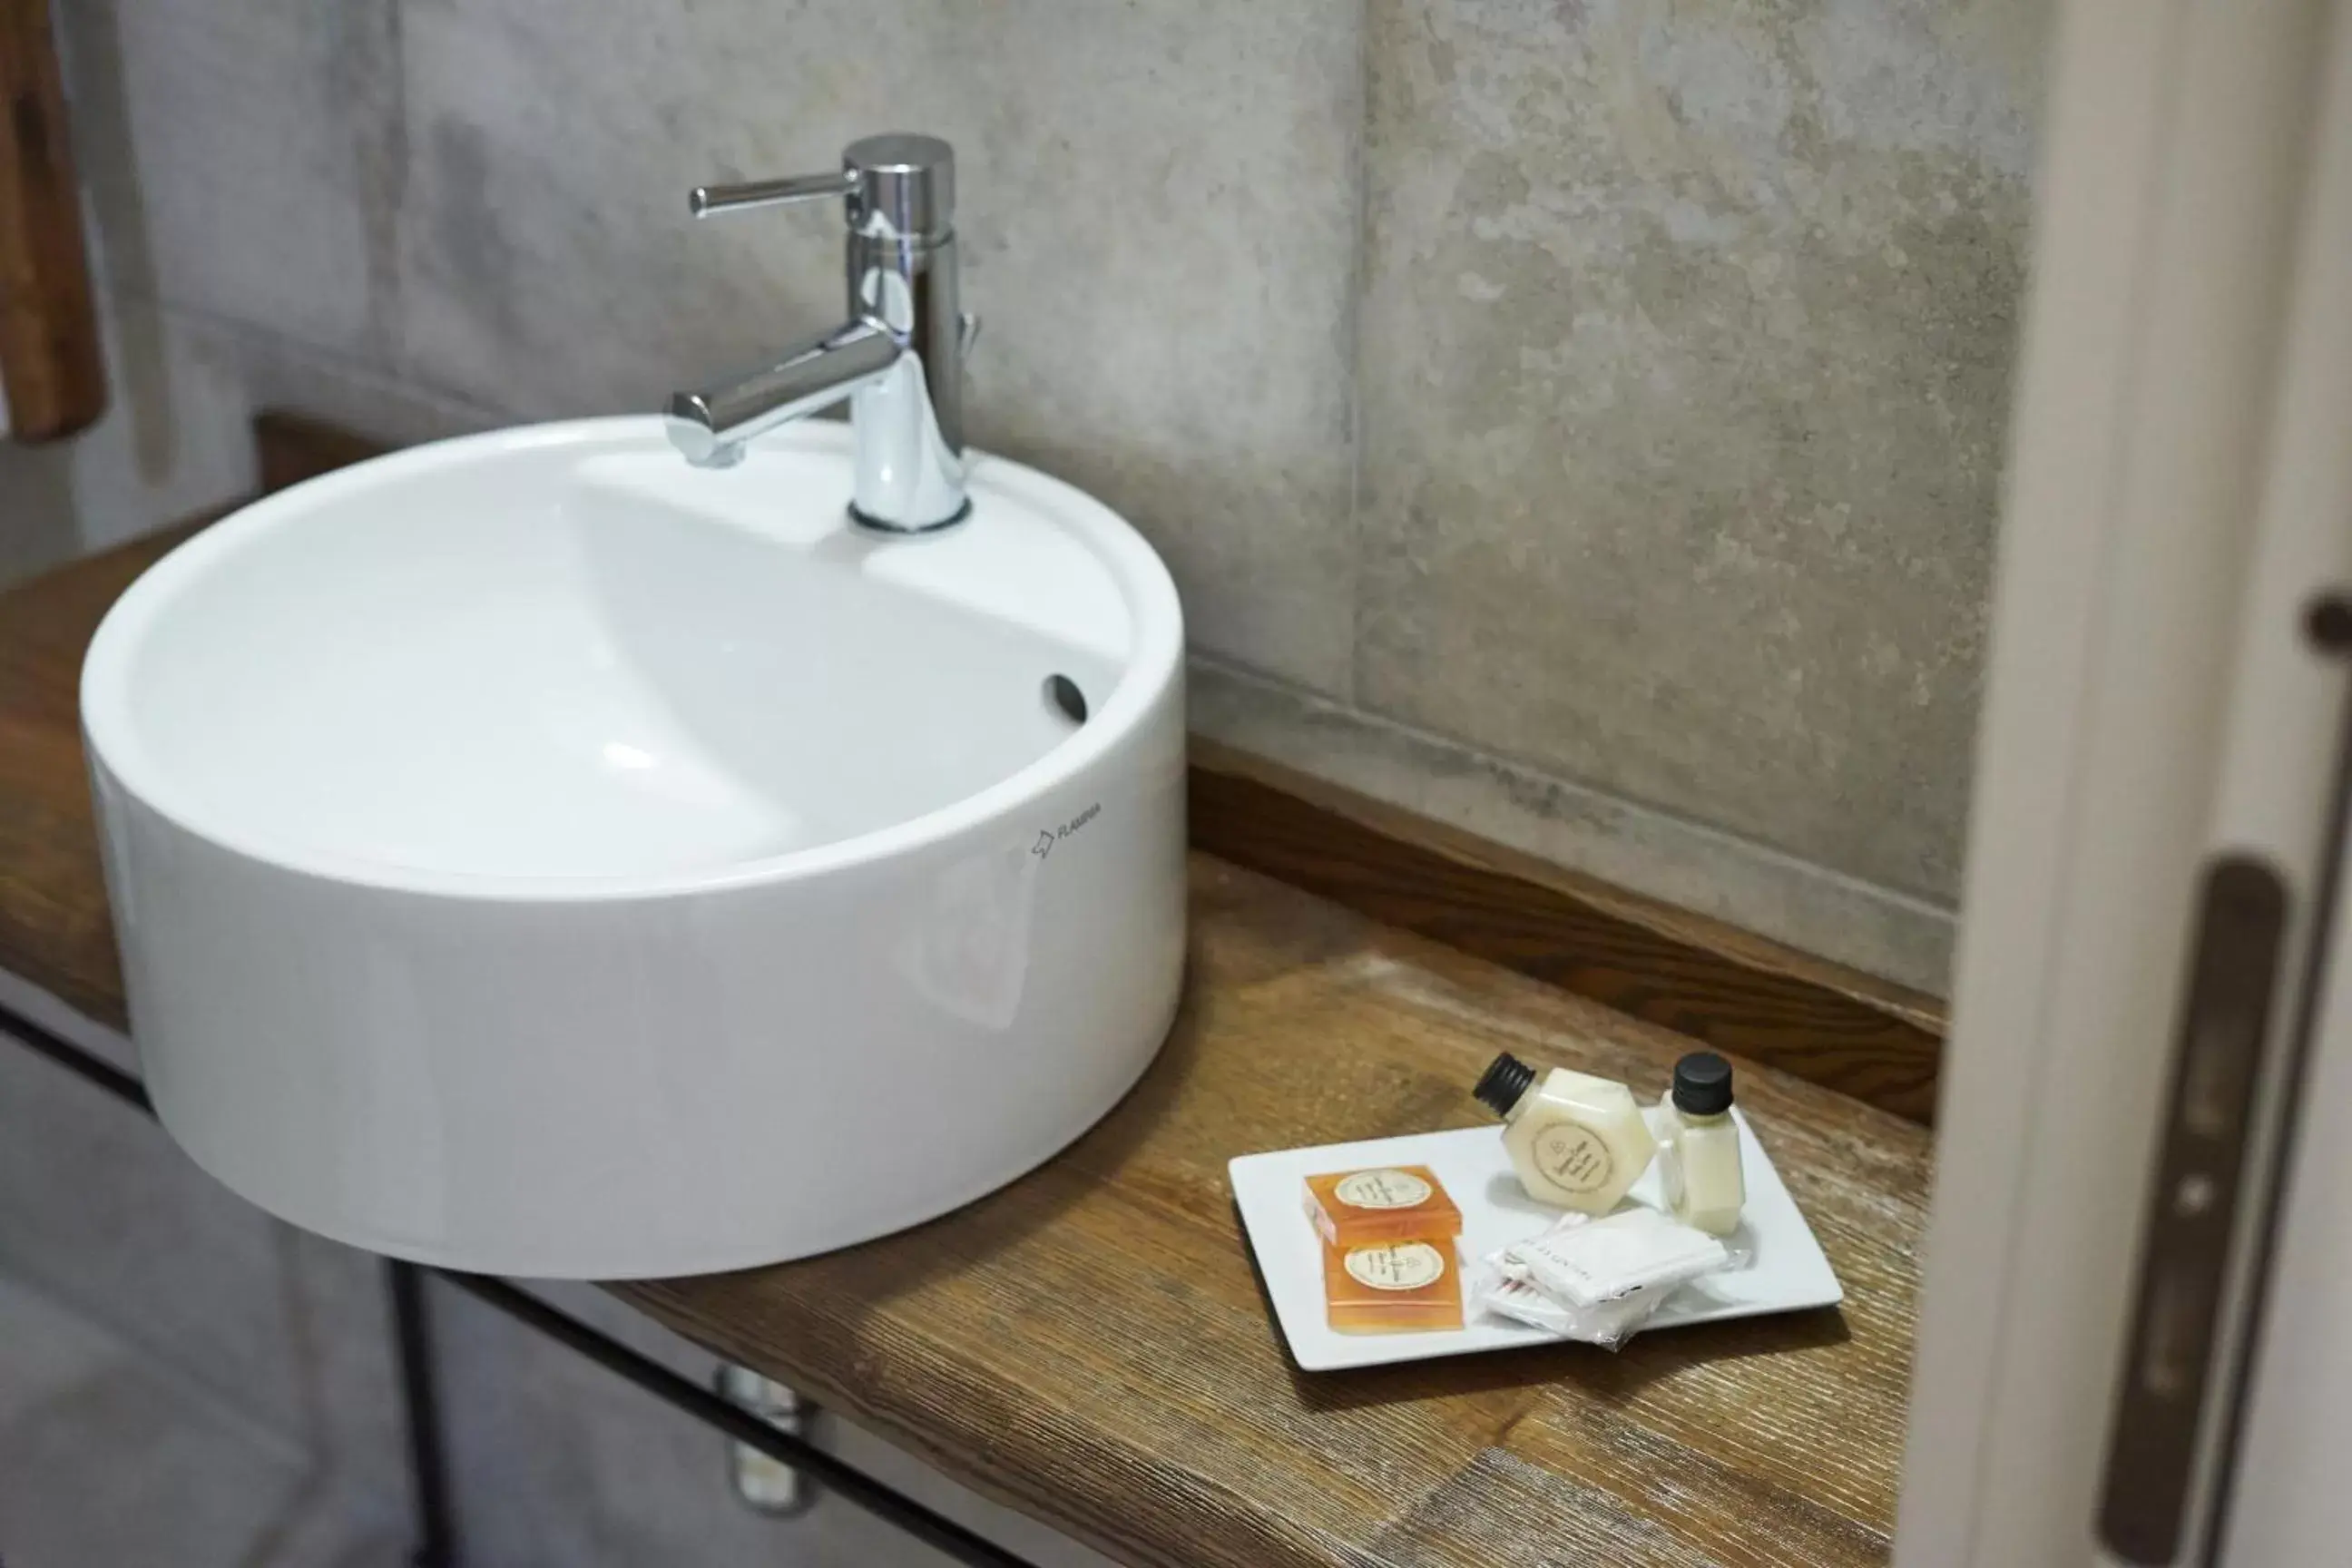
x,y
1045,841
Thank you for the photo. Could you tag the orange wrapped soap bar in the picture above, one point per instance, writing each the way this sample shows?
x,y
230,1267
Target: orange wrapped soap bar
x,y
1391,1203
1392,1288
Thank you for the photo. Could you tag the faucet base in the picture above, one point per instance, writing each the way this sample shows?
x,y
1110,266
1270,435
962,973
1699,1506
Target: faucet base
x,y
909,474
906,530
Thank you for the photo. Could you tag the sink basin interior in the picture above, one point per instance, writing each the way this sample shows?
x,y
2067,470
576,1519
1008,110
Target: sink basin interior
x,y
549,663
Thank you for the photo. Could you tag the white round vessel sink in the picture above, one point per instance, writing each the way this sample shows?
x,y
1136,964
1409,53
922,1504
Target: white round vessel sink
x,y
533,855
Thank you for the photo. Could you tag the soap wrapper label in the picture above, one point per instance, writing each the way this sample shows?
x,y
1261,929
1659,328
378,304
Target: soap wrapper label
x,y
1636,1249
1397,1265
1385,1189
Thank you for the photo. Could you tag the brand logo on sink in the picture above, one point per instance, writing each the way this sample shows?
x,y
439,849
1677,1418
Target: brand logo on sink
x,y
1045,841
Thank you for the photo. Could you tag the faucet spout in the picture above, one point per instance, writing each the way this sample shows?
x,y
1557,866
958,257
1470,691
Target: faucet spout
x,y
709,426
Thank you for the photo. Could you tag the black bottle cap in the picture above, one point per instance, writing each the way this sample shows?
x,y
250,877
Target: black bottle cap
x,y
1703,1084
1503,1082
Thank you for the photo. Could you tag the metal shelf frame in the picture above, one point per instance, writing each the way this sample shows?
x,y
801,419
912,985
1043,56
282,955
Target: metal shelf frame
x,y
436,1532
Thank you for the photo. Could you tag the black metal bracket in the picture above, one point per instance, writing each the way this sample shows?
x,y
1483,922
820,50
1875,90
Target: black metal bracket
x,y
437,1544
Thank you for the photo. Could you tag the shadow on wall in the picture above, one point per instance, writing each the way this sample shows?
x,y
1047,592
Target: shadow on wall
x,y
37,509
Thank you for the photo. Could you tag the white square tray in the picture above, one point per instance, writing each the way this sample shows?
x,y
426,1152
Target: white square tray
x,y
1789,1272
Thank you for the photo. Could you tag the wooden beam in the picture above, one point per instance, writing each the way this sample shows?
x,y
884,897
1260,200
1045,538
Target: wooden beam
x,y
51,367
1698,976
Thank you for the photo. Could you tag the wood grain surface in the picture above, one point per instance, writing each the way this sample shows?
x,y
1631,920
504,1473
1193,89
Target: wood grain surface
x,y
1092,1345
52,368
53,927
1738,992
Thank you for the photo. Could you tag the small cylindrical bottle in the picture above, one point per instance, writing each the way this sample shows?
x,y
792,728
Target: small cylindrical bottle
x,y
1699,1161
1577,1141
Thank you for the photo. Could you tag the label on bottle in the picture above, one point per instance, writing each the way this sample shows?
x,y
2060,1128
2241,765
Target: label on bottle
x,y
1382,1190
1397,1266
1573,1157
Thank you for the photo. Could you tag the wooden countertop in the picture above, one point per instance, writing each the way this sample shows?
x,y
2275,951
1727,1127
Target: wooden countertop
x,y
1092,1345
55,931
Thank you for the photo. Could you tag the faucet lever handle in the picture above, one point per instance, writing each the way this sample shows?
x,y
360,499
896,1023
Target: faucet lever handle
x,y
901,186
711,201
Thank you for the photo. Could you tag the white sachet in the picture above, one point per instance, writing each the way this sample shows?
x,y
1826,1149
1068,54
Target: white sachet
x,y
1608,1325
1507,1265
1634,1249
1522,1303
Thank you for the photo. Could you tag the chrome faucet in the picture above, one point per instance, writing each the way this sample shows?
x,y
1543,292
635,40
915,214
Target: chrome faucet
x,y
900,357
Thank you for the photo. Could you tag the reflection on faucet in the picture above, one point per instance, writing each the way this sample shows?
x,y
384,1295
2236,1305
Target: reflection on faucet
x,y
712,426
